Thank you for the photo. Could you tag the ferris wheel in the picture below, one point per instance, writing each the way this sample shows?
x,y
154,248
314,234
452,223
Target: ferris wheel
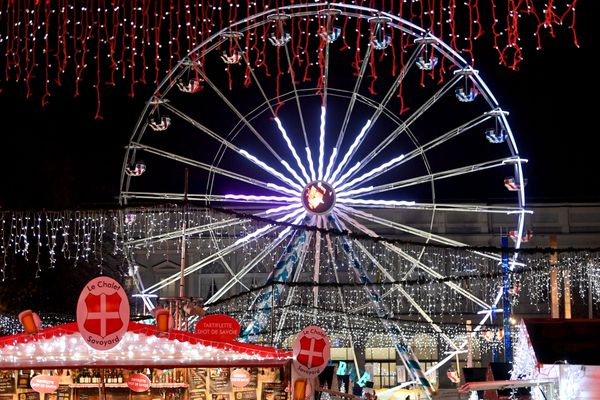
x,y
345,142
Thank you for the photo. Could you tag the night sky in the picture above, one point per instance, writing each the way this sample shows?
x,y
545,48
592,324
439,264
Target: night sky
x,y
60,157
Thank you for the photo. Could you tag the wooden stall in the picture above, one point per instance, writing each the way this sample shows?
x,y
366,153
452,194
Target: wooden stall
x,y
145,365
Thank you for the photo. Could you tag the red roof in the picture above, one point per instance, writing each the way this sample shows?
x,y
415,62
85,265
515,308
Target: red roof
x,y
63,346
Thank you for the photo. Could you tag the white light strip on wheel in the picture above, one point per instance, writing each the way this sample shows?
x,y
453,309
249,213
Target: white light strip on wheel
x,y
330,165
292,149
399,203
289,228
322,143
353,146
467,169
310,164
346,175
249,197
270,169
293,172
374,172
283,208
284,189
353,192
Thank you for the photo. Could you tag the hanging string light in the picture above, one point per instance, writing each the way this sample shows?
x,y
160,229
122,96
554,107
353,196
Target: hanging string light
x,y
45,238
47,44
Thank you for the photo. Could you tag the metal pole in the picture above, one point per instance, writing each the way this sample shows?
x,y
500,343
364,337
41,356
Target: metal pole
x,y
508,355
469,345
179,308
554,304
590,293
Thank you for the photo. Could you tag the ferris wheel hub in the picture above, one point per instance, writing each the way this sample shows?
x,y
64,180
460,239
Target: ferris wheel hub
x,y
318,197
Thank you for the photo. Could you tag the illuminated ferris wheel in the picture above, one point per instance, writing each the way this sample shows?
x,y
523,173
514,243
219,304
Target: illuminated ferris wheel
x,y
328,130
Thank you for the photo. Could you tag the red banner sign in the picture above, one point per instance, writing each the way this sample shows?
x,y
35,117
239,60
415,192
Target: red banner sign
x,y
103,313
138,382
311,351
44,383
218,327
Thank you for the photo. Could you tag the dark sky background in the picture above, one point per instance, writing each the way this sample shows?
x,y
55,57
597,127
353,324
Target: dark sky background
x,y
60,157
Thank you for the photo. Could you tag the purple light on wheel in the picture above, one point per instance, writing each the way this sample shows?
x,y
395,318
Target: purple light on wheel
x,y
318,197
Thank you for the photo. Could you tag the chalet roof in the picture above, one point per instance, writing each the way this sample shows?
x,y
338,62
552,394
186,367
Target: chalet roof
x,y
63,346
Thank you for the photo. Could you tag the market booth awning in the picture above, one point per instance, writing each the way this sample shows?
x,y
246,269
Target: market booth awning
x,y
142,345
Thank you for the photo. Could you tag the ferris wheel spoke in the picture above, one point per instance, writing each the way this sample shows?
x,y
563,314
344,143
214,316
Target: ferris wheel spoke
x,y
240,116
267,102
138,243
396,84
249,238
317,260
446,207
416,262
296,98
352,101
259,232
404,293
292,291
244,271
341,297
325,89
431,236
418,151
340,184
261,306
207,167
230,145
357,140
275,210
294,153
469,169
401,227
256,199
381,106
201,127
213,198
405,125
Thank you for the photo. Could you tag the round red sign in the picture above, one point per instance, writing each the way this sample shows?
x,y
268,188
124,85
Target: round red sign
x,y
240,377
44,383
138,382
103,313
218,327
311,351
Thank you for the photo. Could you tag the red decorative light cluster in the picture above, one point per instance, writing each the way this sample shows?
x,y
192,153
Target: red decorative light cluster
x,y
45,44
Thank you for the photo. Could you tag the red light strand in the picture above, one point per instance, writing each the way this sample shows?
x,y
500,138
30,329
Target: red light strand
x,y
44,44
46,55
98,64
